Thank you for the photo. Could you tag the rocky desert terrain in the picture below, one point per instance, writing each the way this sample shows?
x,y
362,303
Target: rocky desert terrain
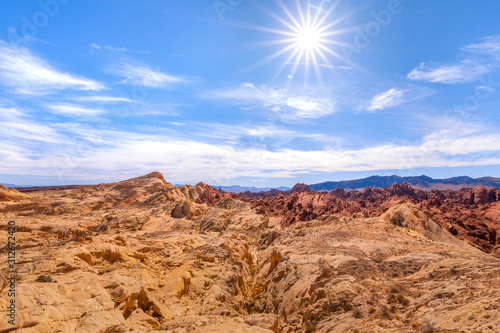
x,y
144,255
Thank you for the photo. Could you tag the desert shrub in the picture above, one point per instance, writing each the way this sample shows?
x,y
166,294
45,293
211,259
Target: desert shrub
x,y
357,313
46,228
310,327
384,312
250,307
427,328
345,304
402,300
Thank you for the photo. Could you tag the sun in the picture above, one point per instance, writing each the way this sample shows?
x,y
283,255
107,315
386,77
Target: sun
x,y
307,39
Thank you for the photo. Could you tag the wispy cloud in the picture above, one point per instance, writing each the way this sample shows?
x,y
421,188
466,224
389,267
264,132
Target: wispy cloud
x,y
389,98
10,113
471,68
488,45
29,74
73,110
12,34
280,101
235,132
105,99
465,71
486,88
142,75
30,131
18,127
469,141
151,109
189,160
114,49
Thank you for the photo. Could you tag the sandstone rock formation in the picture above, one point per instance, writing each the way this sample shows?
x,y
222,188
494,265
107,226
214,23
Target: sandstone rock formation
x,y
7,194
143,255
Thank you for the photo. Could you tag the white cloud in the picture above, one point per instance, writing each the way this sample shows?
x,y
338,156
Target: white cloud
x,y
17,126
113,49
29,74
72,110
266,131
389,98
488,45
465,71
10,113
125,154
145,76
462,140
105,99
310,108
234,133
29,131
281,101
486,88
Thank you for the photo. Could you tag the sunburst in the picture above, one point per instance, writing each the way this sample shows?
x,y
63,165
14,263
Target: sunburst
x,y
307,37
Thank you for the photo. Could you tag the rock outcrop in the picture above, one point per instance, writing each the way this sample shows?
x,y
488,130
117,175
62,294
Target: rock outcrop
x,y
7,194
301,188
409,216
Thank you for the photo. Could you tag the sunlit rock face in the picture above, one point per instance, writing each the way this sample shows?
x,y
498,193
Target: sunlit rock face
x,y
144,255
7,194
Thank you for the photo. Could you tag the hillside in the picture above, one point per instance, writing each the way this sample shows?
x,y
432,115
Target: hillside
x,y
253,189
420,182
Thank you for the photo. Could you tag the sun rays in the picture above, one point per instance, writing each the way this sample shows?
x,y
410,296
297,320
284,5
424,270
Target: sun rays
x,y
305,35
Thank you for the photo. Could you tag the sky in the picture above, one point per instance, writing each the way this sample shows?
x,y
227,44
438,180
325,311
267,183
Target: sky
x,y
249,92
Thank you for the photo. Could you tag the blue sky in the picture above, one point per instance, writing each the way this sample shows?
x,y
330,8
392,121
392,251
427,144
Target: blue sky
x,y
249,92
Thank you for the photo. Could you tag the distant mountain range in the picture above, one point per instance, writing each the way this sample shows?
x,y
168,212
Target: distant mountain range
x,y
420,182
13,185
239,189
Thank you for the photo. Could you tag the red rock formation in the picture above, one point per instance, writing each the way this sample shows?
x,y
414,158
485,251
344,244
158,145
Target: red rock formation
x,y
469,214
301,187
